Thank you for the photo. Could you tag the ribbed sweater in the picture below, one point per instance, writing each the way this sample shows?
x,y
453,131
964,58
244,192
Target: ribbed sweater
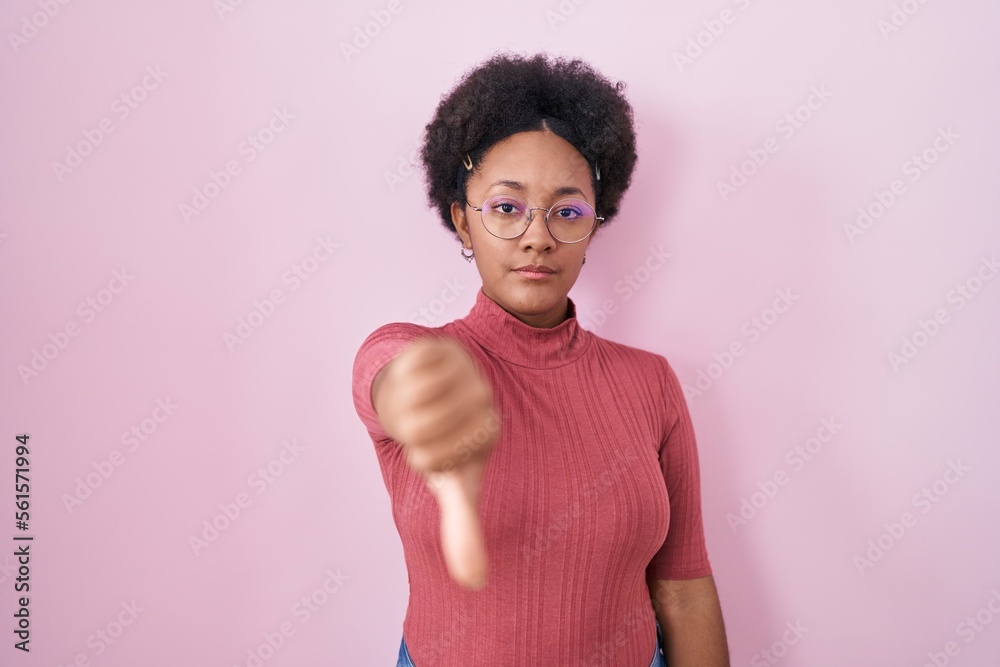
x,y
593,483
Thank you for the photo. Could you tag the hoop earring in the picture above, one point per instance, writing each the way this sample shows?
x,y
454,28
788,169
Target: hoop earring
x,y
468,258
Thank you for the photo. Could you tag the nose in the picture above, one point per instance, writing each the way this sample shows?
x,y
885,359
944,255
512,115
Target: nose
x,y
531,235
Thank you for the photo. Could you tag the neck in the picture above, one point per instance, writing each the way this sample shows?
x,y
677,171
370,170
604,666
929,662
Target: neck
x,y
544,320
534,341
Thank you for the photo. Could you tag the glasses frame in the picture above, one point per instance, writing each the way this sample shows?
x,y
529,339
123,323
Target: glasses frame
x,y
531,209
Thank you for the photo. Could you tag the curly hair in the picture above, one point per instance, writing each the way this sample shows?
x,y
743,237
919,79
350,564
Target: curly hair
x,y
508,94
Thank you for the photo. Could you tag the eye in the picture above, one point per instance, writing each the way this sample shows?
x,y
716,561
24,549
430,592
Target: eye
x,y
569,212
507,206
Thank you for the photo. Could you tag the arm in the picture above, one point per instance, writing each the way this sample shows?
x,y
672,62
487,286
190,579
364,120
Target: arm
x,y
432,399
690,616
679,577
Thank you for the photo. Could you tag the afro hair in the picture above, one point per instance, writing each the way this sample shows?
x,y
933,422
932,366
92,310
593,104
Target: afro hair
x,y
508,94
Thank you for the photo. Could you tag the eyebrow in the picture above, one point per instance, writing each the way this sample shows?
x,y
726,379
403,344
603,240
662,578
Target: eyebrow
x,y
517,185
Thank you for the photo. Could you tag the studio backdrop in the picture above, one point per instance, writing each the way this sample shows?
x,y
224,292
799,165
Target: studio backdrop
x,y
205,208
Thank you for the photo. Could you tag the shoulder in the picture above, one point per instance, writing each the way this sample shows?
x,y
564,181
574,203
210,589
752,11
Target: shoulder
x,y
654,366
653,361
385,341
396,331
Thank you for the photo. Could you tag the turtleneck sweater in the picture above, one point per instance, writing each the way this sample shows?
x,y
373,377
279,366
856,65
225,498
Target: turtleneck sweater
x,y
593,483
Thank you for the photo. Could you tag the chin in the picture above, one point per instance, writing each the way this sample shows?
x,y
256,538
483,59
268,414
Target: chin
x,y
537,296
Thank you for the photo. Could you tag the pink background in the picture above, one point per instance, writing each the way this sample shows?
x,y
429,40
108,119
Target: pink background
x,y
323,519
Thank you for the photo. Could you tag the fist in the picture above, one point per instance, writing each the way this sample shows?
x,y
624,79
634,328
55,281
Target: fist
x,y
439,407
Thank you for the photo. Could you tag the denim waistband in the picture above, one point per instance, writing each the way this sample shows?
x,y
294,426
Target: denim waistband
x,y
659,659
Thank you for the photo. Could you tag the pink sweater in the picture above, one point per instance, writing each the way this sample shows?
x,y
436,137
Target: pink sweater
x,y
593,484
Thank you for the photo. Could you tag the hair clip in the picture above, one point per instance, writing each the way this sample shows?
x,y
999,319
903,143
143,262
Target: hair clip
x,y
598,168
467,162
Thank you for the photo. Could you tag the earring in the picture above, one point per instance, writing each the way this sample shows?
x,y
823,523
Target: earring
x,y
469,257
584,260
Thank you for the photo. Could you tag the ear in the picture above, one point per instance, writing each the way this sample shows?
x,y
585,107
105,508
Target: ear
x,y
461,222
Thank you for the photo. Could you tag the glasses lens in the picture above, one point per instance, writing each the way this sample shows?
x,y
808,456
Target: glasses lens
x,y
571,220
505,216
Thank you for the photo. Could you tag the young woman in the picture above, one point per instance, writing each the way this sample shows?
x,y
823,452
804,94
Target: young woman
x,y
544,480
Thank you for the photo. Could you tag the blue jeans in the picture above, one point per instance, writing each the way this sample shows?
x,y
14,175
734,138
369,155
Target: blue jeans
x,y
658,658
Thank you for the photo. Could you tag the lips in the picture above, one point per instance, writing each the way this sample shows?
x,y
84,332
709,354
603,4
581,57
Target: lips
x,y
535,268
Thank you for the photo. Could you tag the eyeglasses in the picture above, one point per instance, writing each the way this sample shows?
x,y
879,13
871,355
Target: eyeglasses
x,y
568,220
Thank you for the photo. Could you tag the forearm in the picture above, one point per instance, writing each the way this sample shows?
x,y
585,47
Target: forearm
x,y
690,616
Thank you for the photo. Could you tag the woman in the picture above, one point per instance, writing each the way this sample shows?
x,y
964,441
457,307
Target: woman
x,y
544,480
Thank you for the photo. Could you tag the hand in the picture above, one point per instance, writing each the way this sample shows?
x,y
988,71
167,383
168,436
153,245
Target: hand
x,y
439,407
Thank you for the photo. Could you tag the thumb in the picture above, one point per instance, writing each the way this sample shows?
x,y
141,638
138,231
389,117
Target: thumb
x,y
457,493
